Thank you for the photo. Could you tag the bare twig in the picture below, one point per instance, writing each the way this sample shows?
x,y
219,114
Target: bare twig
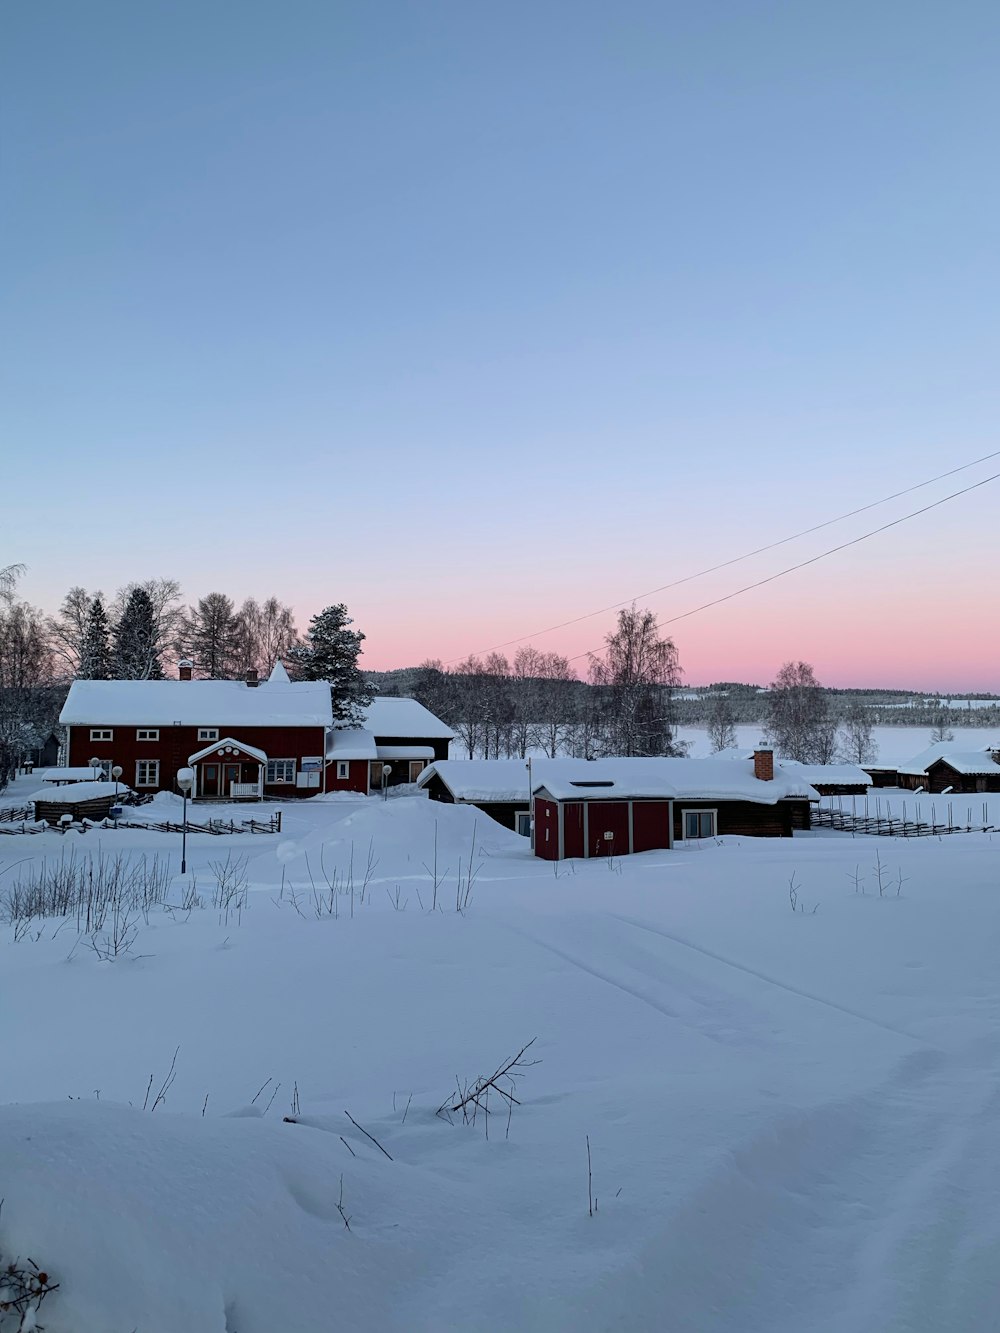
x,y
367,1135
259,1091
167,1083
590,1182
340,1205
473,1098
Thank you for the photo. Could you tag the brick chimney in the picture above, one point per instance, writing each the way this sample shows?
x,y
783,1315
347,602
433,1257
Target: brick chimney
x,y
251,678
763,765
184,669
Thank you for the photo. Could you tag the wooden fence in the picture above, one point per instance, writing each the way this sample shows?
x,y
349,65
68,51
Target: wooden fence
x,y
16,814
872,818
21,821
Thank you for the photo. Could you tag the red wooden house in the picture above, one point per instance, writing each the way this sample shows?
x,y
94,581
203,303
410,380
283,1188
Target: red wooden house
x,y
245,740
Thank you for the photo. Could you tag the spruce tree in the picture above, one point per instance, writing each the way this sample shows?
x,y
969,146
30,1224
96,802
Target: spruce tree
x,y
212,636
331,653
95,649
135,655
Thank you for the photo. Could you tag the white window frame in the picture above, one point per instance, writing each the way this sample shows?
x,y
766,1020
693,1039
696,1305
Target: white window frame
x,y
208,733
700,810
147,733
147,764
343,770
522,817
101,734
288,766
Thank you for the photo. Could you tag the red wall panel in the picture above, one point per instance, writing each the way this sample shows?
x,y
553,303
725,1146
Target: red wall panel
x,y
650,825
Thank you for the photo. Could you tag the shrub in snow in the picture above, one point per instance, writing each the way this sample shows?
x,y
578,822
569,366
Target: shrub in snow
x,y
23,1288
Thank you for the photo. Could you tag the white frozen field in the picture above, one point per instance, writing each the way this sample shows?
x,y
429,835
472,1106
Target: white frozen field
x,y
792,1116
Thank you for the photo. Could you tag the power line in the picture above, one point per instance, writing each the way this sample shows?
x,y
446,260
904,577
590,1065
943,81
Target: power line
x,y
737,559
812,559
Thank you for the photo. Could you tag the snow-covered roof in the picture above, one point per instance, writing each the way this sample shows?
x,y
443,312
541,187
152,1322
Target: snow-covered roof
x,y
486,780
218,748
350,743
404,718
973,764
66,775
841,775
506,780
80,791
405,751
197,703
980,761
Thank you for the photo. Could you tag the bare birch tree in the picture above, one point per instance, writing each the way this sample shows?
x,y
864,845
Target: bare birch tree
x,y
635,679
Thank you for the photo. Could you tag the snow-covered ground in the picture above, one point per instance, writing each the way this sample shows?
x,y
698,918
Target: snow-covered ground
x,y
791,1115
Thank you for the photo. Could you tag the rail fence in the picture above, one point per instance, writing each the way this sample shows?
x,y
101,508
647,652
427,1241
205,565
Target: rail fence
x,y
16,814
22,822
886,823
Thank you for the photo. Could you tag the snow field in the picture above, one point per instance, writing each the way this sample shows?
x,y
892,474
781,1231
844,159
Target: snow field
x,y
791,1114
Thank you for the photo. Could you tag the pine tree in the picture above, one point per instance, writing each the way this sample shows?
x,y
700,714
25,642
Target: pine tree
x,y
135,653
331,653
95,649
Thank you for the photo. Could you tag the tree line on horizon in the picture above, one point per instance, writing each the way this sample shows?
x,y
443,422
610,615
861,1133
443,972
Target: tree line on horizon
x,y
624,703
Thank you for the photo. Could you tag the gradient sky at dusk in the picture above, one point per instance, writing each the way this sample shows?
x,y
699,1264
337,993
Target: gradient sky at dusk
x,y
480,317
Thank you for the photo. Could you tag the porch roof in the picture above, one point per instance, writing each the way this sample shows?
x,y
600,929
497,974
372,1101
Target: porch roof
x,y
216,746
405,751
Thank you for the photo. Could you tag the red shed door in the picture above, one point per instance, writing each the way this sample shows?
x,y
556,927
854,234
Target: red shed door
x,y
210,779
608,817
573,829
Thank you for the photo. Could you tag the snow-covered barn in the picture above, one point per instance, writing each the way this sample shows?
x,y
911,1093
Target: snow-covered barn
x,y
945,766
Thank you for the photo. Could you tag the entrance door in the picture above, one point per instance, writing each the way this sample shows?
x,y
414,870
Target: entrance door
x,y
231,774
210,779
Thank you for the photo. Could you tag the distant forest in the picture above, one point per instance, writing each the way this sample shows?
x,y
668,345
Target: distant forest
x,y
692,706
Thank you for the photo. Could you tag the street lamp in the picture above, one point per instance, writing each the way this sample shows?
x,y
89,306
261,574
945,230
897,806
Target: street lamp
x,y
95,764
185,780
386,771
116,773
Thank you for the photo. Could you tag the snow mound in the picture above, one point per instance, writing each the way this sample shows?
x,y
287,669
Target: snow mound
x,y
165,1222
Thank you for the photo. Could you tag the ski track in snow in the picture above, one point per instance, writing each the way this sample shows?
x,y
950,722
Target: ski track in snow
x,y
770,981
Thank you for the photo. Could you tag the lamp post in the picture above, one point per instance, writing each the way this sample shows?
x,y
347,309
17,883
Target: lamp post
x,y
95,764
116,773
185,779
386,771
